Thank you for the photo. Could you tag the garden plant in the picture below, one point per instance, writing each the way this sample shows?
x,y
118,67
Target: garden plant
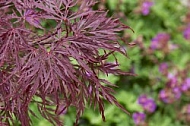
x,y
52,53
62,62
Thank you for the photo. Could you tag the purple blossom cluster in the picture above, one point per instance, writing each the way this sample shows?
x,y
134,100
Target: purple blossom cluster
x,y
185,87
172,90
139,118
186,32
147,103
149,106
173,81
170,95
145,7
176,85
160,41
163,68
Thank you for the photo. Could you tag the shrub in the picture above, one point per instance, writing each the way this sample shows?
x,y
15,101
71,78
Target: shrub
x,y
51,54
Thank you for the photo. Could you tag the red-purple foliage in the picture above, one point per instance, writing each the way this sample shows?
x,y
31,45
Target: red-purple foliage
x,y
60,66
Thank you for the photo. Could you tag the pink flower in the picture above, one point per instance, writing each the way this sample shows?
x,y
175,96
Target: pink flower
x,y
163,68
186,33
146,7
164,96
148,104
139,118
160,41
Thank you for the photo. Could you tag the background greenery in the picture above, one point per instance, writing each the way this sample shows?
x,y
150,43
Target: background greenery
x,y
165,16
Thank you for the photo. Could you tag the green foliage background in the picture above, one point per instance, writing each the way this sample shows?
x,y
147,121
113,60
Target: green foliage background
x,y
165,16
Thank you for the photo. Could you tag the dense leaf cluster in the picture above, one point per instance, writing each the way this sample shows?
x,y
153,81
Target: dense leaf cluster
x,y
58,64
